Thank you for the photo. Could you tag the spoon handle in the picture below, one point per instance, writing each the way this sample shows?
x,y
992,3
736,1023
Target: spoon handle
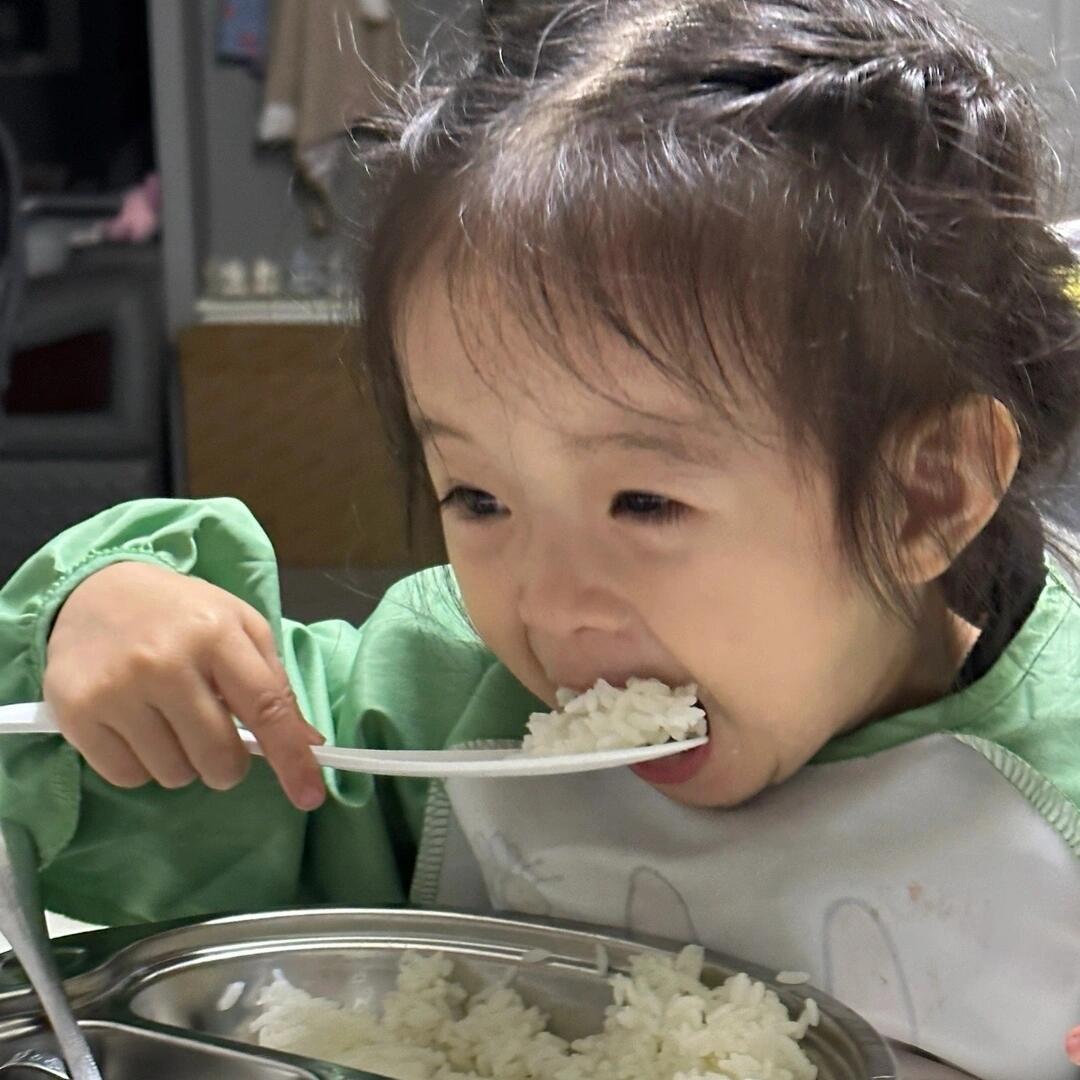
x,y
22,923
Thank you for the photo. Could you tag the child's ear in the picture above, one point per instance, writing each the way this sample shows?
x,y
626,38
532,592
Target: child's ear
x,y
954,470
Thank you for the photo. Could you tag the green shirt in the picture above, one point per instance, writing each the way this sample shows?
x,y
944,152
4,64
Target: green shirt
x,y
413,676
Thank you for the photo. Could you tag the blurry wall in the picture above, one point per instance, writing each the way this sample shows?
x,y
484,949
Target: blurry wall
x,y
251,211
1041,42
225,195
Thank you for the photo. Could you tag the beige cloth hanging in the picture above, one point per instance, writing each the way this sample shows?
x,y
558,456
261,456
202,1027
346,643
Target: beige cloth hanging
x,y
331,63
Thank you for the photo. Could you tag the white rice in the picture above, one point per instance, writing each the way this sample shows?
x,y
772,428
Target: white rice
x,y
535,956
231,995
602,963
792,978
605,717
663,1024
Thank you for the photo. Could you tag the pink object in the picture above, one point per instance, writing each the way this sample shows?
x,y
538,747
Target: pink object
x,y
1072,1045
140,213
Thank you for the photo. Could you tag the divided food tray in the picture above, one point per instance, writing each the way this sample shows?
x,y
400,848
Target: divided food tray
x,y
177,1000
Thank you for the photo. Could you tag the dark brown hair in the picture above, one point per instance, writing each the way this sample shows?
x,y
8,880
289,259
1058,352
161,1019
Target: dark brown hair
x,y
841,200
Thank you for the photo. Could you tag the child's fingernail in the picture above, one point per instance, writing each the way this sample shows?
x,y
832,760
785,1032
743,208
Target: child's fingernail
x,y
311,797
316,738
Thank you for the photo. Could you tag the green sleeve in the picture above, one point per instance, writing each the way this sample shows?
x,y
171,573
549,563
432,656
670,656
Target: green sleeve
x,y
413,676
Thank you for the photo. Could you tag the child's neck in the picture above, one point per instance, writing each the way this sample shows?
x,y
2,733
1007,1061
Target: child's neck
x,y
941,642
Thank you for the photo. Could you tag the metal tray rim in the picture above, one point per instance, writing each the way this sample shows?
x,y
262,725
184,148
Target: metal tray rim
x,y
226,1048
115,961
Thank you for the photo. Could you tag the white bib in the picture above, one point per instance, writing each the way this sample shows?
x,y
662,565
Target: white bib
x,y
917,886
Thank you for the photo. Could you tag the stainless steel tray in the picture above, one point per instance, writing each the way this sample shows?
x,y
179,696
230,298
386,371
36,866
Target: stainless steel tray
x,y
188,991
131,1053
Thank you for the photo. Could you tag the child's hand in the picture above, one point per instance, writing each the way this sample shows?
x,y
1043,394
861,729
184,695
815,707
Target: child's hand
x,y
145,669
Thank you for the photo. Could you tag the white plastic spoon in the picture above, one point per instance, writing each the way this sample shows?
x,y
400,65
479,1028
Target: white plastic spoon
x,y
37,718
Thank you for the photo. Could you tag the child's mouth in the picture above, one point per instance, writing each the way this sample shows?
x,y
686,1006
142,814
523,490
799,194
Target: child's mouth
x,y
676,769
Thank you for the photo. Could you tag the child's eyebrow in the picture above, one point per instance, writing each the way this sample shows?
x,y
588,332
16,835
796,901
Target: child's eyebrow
x,y
671,444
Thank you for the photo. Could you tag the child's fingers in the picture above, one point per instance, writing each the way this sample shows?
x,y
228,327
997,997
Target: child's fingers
x,y
109,755
206,731
152,739
260,696
258,629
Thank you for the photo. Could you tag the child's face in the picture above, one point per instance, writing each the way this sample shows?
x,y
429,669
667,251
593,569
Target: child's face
x,y
591,539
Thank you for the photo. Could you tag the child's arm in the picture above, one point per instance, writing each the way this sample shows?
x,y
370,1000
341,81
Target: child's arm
x,y
130,625
147,666
113,855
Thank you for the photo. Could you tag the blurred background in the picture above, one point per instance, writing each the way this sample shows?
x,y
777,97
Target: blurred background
x,y
174,296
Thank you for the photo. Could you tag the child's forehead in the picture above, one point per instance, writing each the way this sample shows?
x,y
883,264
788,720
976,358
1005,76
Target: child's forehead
x,y
479,379
487,353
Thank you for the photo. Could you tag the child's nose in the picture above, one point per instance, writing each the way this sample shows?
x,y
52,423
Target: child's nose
x,y
563,589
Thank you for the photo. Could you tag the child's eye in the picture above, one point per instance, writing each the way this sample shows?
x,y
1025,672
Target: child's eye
x,y
644,506
472,503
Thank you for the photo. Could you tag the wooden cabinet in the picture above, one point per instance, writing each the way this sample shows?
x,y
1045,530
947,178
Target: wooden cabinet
x,y
273,417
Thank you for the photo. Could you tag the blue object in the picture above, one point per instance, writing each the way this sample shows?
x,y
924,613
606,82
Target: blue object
x,y
243,31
